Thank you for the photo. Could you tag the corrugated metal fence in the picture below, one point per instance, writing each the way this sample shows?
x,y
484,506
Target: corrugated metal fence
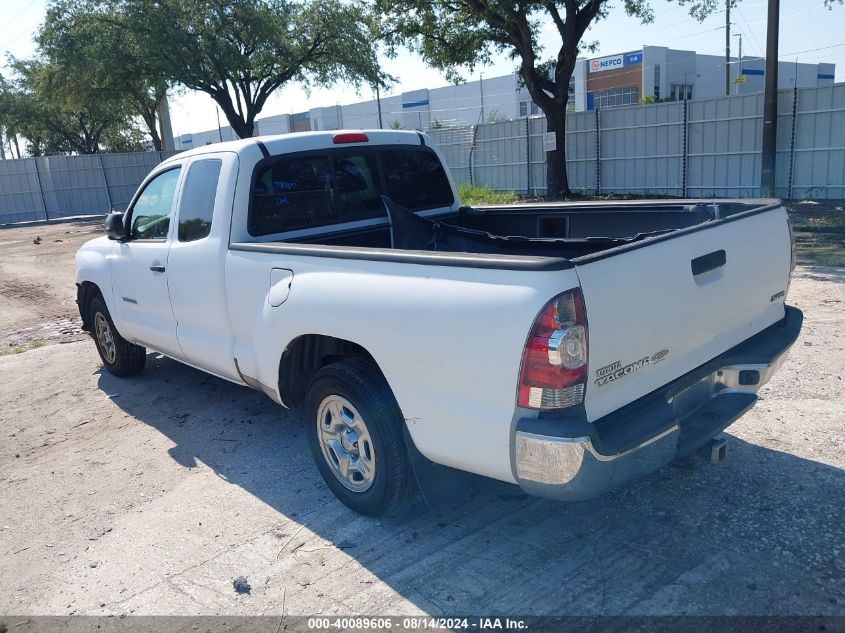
x,y
50,187
702,148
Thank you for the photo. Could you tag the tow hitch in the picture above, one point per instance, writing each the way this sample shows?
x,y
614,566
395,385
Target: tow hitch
x,y
715,450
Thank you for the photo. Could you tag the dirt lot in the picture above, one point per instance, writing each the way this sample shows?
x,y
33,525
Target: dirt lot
x,y
150,495
37,291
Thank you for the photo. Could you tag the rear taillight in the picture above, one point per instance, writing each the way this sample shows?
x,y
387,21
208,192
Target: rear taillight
x,y
554,364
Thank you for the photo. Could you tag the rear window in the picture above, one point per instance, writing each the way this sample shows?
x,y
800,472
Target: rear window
x,y
416,179
292,194
357,193
314,190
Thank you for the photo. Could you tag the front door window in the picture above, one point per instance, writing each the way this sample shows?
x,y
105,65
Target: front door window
x,y
152,210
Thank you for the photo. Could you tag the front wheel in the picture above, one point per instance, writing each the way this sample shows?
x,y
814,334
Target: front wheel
x,y
119,356
356,438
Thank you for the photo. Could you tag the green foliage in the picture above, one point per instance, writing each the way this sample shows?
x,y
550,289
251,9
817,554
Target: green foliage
x,y
395,125
93,38
648,100
241,51
60,113
475,194
20,349
457,35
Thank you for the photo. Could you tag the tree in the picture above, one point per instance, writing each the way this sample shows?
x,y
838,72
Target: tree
x,y
450,34
241,51
455,34
59,114
92,37
8,133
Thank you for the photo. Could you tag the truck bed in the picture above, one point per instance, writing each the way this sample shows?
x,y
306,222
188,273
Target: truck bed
x,y
558,230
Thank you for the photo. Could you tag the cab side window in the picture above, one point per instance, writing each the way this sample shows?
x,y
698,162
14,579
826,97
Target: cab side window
x,y
153,208
196,205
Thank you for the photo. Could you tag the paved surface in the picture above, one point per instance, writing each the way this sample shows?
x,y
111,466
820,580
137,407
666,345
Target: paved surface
x,y
151,495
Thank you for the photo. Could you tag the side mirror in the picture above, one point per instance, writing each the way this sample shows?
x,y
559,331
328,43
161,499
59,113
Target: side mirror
x,y
114,226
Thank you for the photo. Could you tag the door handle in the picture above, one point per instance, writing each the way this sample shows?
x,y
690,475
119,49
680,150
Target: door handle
x,y
157,268
706,263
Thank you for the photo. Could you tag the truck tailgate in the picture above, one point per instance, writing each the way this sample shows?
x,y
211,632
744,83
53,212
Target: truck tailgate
x,y
661,308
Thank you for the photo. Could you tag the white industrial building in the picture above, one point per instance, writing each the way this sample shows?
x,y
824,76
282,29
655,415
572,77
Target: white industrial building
x,y
654,72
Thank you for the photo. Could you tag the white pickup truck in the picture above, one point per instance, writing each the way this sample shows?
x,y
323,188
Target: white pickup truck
x,y
566,348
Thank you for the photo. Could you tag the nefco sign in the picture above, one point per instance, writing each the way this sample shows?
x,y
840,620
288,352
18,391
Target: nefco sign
x,y
607,63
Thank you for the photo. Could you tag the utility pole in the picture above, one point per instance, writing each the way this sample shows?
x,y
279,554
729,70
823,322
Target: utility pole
x,y
164,125
727,48
739,76
219,130
481,88
378,101
770,102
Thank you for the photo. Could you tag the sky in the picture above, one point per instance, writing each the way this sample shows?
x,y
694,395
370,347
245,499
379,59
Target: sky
x,y
808,32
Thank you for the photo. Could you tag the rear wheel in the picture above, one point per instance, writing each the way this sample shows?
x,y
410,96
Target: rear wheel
x,y
119,356
356,438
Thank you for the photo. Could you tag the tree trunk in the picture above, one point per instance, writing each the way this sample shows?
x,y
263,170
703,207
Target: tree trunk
x,y
557,181
243,128
152,130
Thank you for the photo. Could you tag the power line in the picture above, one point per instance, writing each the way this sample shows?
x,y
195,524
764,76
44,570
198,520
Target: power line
x,y
812,50
757,48
19,13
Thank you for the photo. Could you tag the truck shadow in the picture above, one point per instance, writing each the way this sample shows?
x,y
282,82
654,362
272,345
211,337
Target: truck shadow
x,y
760,533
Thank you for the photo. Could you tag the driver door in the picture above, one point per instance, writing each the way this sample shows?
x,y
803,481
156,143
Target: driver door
x,y
139,267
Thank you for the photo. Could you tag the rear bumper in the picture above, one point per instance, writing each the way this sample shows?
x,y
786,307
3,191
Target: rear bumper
x,y
569,459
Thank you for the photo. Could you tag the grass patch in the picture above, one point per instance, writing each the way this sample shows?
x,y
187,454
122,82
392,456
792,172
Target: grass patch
x,y
474,194
20,349
819,233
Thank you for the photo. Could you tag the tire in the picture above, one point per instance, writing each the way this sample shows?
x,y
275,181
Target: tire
x,y
119,356
351,399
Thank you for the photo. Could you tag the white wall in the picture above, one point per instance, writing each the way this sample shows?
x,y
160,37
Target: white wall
x,y
278,124
580,77
680,70
655,56
461,104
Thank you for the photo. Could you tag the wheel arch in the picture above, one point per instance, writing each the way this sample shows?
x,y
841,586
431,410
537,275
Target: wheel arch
x,y
85,293
305,356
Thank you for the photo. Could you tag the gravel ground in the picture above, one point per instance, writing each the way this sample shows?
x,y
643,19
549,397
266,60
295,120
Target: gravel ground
x,y
152,495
